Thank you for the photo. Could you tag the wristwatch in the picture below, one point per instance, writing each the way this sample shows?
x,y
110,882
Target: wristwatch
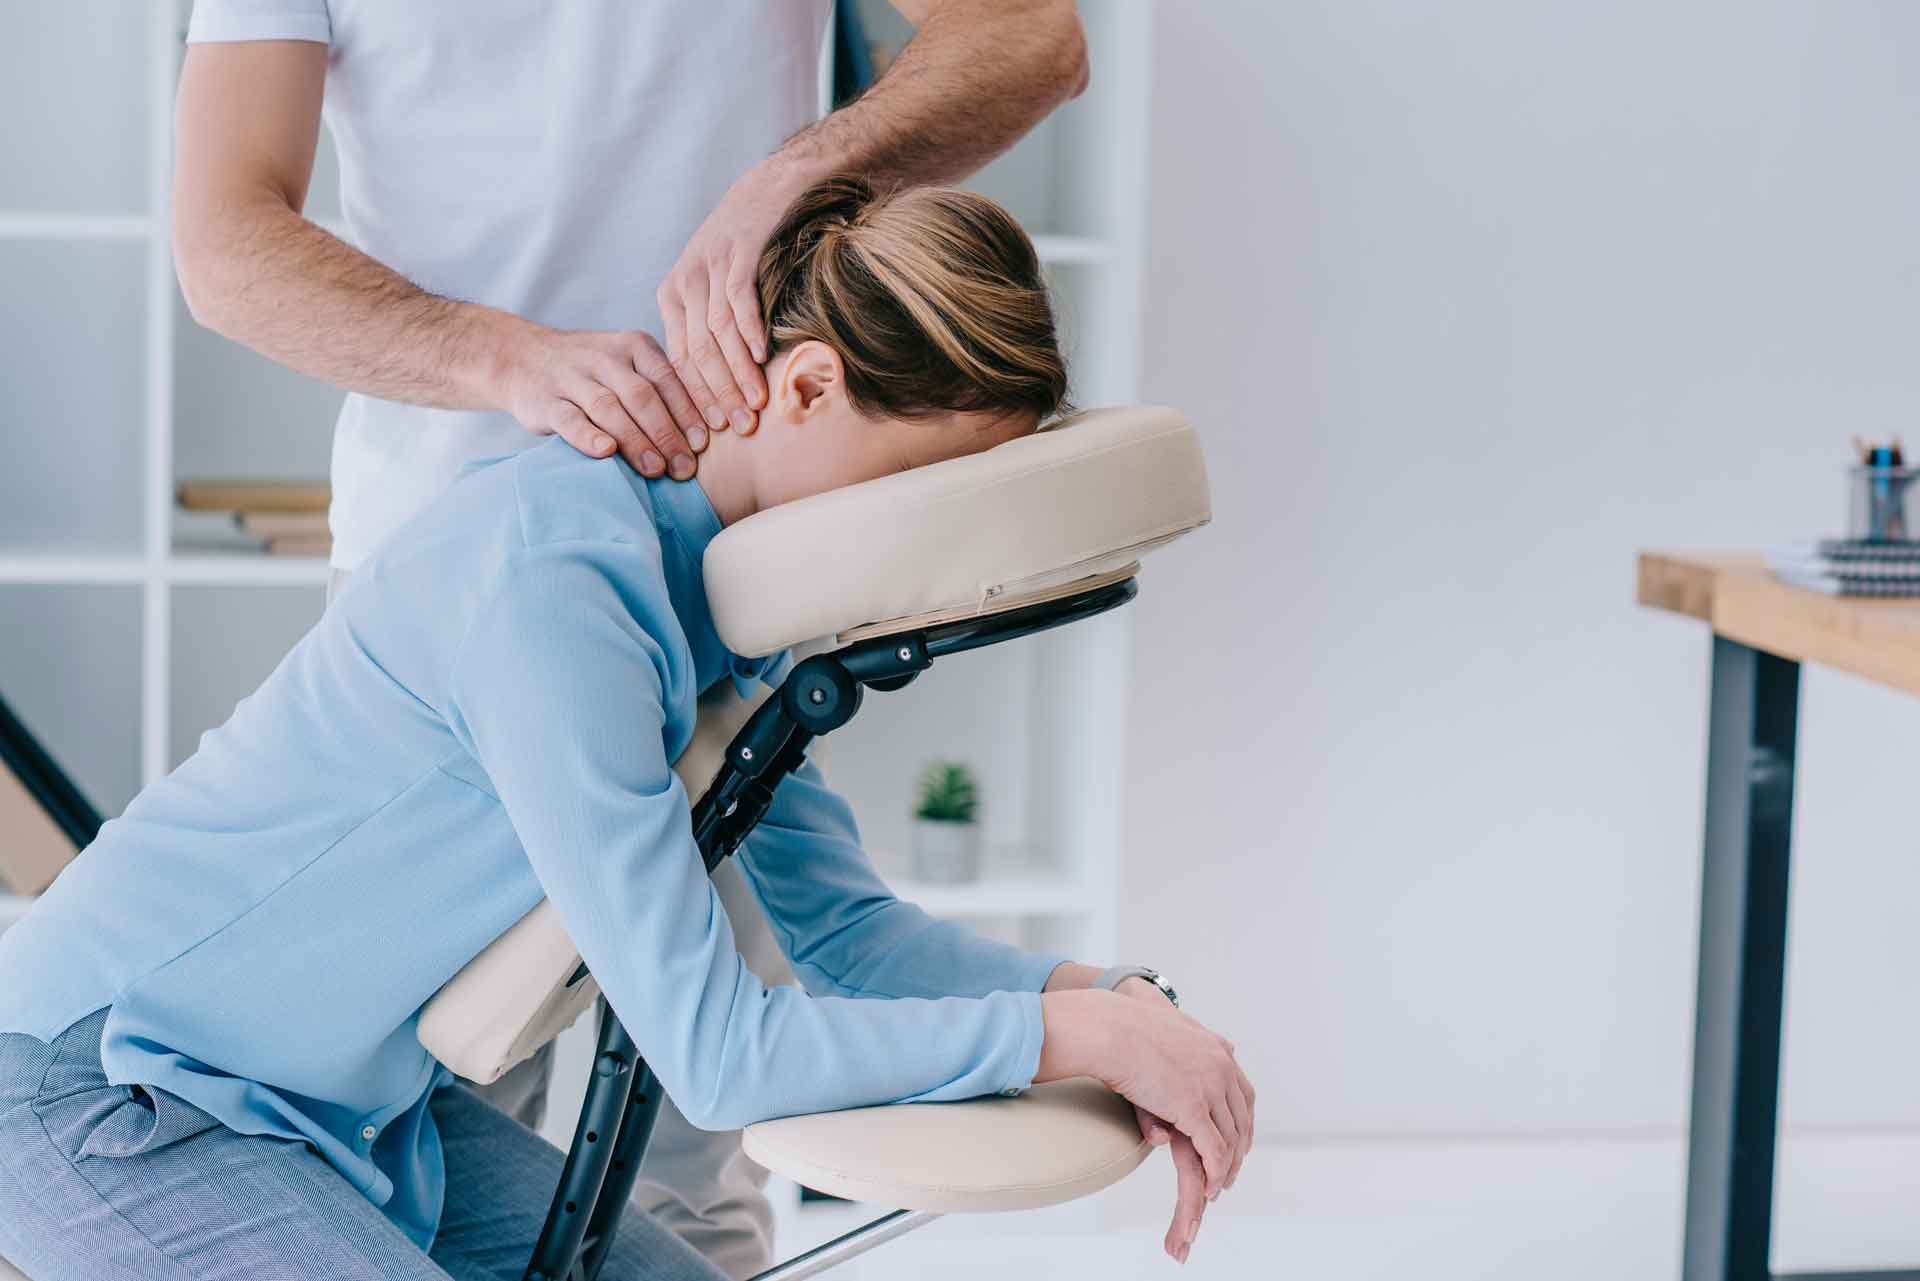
x,y
1119,974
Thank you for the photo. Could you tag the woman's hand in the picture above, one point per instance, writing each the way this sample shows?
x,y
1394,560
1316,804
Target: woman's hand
x,y
1176,1072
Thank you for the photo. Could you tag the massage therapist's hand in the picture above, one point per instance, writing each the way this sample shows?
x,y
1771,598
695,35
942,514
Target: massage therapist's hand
x,y
1174,1070
710,300
601,391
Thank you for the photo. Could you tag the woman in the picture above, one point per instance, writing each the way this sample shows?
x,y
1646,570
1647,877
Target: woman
x,y
208,1065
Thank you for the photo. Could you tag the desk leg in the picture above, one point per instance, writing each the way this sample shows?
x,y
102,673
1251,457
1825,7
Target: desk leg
x,y
1743,944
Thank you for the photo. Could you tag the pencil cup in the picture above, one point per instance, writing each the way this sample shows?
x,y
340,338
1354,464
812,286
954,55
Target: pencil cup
x,y
1880,503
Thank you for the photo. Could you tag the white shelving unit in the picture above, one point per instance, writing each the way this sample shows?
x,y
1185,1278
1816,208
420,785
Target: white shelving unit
x,y
119,648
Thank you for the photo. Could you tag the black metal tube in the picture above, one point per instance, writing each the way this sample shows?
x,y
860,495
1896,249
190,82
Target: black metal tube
x,y
643,1105
991,629
588,1157
1751,734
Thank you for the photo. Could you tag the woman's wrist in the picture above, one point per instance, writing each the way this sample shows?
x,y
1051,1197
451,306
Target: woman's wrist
x,y
1080,1030
1071,976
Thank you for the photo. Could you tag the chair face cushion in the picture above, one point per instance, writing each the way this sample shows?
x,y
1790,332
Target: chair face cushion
x,y
962,537
1054,1143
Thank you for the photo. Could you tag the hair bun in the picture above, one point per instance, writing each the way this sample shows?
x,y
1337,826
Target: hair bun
x,y
938,303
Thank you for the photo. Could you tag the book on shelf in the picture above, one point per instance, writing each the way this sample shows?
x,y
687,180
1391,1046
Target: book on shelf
x,y
45,819
278,517
254,495
1849,567
290,525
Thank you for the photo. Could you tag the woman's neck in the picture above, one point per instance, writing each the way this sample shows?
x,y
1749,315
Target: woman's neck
x,y
726,475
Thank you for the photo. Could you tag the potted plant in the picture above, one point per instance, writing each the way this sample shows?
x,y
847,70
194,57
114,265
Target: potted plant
x,y
946,837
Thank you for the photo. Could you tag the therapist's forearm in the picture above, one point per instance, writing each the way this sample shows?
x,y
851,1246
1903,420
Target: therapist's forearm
x,y
261,274
977,75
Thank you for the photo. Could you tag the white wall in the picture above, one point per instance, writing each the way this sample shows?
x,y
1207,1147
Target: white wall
x,y
1473,300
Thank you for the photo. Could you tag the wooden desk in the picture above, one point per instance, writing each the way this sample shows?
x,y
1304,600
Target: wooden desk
x,y
1762,632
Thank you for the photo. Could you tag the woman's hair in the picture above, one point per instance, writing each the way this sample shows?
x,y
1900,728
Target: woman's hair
x,y
932,296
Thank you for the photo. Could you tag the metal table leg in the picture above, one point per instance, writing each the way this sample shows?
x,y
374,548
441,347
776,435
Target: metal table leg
x,y
1743,944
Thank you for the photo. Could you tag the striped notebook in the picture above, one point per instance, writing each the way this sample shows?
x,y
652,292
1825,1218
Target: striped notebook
x,y
1849,567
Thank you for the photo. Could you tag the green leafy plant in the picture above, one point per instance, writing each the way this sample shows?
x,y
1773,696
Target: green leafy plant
x,y
948,793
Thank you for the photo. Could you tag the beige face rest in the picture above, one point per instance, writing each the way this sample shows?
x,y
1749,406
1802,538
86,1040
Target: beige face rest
x,y
10,1273
962,537
1054,1143
1029,520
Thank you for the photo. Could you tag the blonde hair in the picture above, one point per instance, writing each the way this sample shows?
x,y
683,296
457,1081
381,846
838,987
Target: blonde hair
x,y
932,296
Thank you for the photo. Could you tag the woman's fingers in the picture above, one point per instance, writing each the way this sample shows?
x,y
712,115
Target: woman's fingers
x,y
1243,1127
1190,1200
1152,1128
1216,1154
1229,1127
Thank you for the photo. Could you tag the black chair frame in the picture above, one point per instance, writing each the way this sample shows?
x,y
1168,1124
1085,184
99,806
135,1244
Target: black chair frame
x,y
819,695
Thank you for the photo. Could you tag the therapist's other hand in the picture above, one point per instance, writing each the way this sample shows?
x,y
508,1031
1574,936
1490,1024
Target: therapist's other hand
x,y
1174,1070
710,300
602,391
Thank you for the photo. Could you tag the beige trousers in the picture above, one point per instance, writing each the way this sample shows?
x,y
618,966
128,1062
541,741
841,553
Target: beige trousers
x,y
696,1182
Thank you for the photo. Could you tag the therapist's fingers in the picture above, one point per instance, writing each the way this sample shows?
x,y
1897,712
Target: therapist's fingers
x,y
715,346
657,445
743,301
652,364
1190,1198
569,422
673,318
602,406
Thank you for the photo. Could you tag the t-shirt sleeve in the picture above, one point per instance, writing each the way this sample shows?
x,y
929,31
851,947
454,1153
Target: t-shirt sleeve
x,y
226,21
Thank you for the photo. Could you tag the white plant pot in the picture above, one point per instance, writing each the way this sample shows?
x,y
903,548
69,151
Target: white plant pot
x,y
947,853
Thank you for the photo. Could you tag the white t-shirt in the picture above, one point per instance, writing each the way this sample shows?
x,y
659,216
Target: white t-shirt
x,y
547,157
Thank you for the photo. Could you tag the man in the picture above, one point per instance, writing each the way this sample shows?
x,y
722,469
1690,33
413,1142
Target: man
x,y
532,191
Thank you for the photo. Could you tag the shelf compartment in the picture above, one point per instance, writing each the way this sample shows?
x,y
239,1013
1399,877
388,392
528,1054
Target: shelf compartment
x,y
236,413
246,569
70,669
71,93
226,640
1008,894
59,226
73,358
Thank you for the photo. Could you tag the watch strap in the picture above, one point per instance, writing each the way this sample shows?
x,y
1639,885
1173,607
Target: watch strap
x,y
1119,974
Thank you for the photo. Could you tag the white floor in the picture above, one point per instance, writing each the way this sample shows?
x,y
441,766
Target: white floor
x,y
1529,1210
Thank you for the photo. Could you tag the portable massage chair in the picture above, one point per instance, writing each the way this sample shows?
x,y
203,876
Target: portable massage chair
x,y
1030,535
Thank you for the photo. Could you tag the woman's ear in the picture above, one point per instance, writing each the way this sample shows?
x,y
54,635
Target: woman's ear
x,y
812,380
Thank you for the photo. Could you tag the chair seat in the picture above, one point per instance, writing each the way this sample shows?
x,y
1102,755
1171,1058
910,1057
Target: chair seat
x,y
1054,1143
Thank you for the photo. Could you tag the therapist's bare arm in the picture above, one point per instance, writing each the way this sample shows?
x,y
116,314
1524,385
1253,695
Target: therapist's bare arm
x,y
255,270
976,76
